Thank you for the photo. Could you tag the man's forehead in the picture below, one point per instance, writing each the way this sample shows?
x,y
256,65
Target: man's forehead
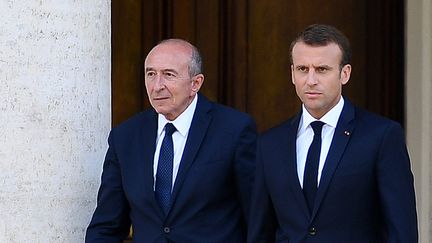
x,y
331,45
168,52
173,47
303,51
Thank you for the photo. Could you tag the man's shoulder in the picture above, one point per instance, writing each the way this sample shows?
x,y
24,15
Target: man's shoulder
x,y
223,112
372,119
284,128
228,111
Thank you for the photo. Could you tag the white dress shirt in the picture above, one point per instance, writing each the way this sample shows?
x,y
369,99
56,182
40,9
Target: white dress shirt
x,y
305,135
182,123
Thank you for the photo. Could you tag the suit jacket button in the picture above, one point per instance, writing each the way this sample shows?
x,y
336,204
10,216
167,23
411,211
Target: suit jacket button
x,y
312,231
167,230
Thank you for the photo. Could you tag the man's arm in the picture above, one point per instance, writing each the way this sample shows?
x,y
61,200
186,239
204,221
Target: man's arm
x,y
396,188
262,223
245,164
110,222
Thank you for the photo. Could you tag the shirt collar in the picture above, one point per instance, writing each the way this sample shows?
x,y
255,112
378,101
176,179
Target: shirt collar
x,y
330,118
182,122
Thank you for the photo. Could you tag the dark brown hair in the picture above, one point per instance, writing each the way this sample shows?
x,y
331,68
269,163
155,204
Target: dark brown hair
x,y
322,35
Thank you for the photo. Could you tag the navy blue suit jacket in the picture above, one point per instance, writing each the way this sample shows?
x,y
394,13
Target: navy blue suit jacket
x,y
211,194
366,192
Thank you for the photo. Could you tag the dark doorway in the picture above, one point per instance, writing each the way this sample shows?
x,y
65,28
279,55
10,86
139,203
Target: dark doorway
x,y
245,45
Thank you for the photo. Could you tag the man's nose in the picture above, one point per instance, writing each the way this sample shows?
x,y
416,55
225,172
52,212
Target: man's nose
x,y
159,82
311,77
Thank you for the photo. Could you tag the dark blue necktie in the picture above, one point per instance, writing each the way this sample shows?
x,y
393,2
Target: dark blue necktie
x,y
165,169
310,179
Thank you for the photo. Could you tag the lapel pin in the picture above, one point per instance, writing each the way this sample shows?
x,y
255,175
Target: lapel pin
x,y
347,133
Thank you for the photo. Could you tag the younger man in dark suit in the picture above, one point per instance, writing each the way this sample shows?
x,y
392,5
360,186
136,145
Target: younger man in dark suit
x,y
182,171
334,173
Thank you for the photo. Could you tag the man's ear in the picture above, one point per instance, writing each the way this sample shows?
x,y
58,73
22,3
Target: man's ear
x,y
197,81
345,73
292,74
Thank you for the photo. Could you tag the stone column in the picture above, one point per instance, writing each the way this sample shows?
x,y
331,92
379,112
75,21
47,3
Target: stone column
x,y
55,115
419,107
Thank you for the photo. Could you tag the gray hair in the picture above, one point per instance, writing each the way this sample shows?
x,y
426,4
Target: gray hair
x,y
195,66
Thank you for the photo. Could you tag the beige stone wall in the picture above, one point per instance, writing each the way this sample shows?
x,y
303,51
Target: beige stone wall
x,y
54,115
419,106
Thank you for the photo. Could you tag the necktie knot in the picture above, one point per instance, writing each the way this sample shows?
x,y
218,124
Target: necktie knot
x,y
317,127
169,129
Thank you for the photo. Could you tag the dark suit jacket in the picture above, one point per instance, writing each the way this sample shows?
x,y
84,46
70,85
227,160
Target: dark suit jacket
x,y
211,194
366,191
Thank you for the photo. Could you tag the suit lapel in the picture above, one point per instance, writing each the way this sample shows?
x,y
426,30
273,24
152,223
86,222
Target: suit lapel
x,y
197,132
291,143
341,136
146,160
